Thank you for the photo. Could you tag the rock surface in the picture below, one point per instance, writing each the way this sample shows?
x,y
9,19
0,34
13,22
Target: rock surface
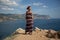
x,y
36,35
19,30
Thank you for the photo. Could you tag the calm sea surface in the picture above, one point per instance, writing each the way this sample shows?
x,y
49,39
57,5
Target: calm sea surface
x,y
8,27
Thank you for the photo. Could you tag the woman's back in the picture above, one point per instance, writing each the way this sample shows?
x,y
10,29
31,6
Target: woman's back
x,y
29,22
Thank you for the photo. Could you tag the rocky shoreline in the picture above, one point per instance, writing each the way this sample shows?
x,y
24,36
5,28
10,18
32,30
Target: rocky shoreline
x,y
38,34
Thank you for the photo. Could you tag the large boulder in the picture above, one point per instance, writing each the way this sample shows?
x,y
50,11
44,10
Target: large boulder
x,y
53,31
51,34
19,30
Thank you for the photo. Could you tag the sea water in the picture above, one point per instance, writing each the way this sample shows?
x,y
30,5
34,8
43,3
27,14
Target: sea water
x,y
8,27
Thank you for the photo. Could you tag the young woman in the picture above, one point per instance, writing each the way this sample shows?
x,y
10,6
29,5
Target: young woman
x,y
29,21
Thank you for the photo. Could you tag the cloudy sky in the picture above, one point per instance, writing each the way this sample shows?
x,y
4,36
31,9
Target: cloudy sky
x,y
42,7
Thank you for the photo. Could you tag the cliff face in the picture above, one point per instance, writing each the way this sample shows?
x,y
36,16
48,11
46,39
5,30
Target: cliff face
x,y
21,16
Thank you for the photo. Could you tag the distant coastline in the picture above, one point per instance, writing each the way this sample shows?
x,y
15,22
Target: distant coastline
x,y
6,17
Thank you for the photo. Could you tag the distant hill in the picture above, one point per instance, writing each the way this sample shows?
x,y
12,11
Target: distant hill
x,y
37,16
21,16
